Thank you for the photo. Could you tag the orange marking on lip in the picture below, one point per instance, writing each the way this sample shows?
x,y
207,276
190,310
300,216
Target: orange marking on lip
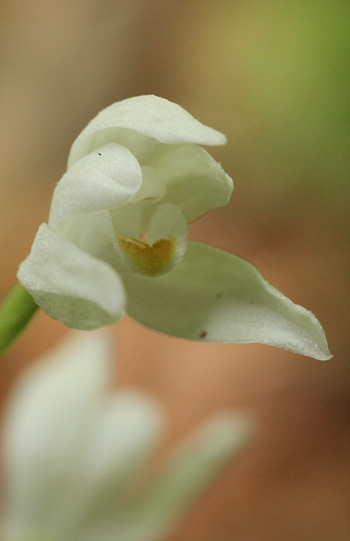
x,y
150,260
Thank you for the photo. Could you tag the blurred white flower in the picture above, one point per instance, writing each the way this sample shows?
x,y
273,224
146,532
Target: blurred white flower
x,y
74,454
117,238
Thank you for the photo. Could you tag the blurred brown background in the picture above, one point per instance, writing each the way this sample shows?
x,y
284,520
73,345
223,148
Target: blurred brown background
x,y
274,76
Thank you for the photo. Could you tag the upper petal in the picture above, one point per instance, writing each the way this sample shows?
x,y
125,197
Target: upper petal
x,y
154,117
69,284
215,296
104,179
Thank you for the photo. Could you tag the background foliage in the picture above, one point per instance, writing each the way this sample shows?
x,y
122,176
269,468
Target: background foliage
x,y
274,76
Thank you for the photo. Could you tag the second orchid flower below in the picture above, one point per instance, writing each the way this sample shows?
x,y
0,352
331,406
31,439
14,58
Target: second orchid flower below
x,y
77,455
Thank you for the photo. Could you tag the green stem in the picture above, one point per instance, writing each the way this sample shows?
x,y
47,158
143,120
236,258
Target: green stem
x,y
16,310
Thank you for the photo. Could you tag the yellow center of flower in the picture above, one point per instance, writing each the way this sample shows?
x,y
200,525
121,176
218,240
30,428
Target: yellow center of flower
x,y
150,260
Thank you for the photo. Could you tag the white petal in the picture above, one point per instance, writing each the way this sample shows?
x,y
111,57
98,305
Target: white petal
x,y
47,421
102,180
167,221
194,180
151,116
70,285
127,220
92,233
128,427
215,296
194,465
152,186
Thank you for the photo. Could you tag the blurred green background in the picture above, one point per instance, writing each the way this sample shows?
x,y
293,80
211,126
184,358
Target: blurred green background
x,y
274,76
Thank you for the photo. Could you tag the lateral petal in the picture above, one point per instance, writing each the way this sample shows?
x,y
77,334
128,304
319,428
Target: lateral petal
x,y
69,284
215,296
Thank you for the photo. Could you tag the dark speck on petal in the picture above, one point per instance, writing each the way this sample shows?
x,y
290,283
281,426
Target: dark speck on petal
x,y
203,334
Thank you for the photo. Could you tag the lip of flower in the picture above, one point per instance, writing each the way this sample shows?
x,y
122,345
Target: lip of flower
x,y
159,247
116,238
149,260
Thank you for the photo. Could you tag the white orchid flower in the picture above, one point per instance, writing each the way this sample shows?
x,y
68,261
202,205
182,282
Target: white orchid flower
x,y
116,238
74,454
